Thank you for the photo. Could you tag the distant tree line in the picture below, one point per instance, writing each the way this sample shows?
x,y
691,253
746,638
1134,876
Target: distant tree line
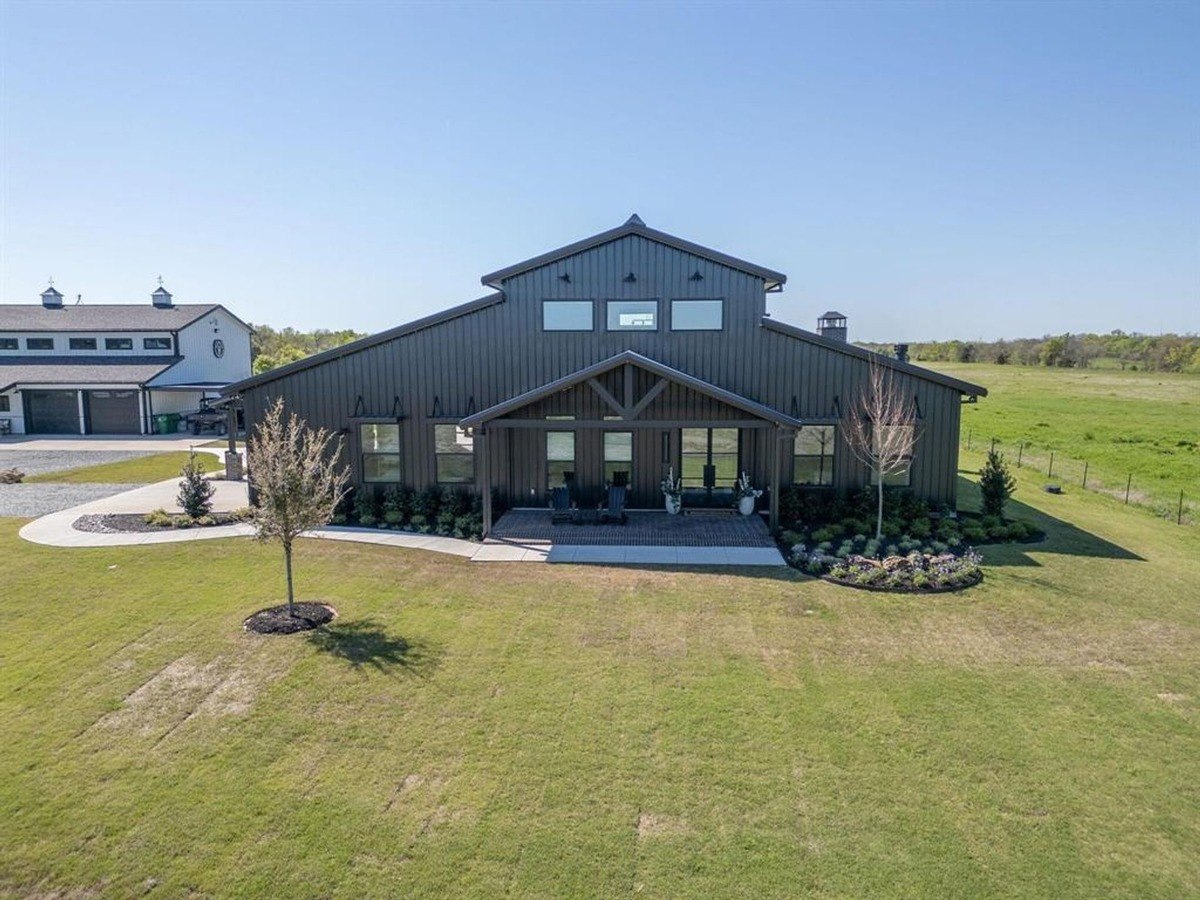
x,y
1151,353
271,348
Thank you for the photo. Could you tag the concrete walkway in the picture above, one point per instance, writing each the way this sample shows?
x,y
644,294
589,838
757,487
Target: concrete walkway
x,y
55,530
150,443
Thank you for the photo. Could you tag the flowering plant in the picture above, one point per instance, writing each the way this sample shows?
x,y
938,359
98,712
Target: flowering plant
x,y
672,486
745,489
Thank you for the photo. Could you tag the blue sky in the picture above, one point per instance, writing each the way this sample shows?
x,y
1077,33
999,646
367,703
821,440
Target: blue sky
x,y
932,170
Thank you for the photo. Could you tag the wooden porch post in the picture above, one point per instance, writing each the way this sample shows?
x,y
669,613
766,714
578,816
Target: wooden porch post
x,y
776,439
482,448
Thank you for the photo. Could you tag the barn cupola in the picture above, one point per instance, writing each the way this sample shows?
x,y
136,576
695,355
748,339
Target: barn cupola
x,y
161,296
832,325
52,297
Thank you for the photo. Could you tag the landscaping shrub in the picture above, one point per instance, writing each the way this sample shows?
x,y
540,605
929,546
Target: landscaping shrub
x,y
195,491
365,506
996,484
393,506
159,517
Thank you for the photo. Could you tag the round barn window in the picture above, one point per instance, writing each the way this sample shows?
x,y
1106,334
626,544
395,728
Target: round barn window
x,y
218,348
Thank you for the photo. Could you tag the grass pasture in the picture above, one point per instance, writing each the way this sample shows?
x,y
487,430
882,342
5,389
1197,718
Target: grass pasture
x,y
1142,423
464,730
139,470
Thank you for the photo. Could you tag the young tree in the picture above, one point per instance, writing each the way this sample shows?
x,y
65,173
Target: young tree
x,y
295,473
195,491
996,484
881,430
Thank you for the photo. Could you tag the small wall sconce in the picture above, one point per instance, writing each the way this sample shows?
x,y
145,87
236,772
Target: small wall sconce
x,y
565,276
696,276
630,278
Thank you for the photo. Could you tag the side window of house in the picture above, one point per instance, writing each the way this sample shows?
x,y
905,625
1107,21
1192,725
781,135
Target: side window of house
x,y
5,403
380,444
567,315
118,343
39,343
903,476
814,450
560,457
632,315
8,343
82,343
454,452
697,315
156,343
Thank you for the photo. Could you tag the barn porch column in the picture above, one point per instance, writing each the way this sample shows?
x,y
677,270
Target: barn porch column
x,y
777,435
485,477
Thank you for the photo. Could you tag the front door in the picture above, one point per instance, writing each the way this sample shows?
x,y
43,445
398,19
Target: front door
x,y
709,465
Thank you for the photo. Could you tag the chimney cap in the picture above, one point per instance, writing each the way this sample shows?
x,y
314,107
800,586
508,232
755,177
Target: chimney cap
x,y
833,314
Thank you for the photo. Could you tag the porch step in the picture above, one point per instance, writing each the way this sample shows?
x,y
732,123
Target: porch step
x,y
710,512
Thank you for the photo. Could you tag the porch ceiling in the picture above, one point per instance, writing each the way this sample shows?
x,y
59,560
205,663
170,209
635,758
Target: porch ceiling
x,y
629,357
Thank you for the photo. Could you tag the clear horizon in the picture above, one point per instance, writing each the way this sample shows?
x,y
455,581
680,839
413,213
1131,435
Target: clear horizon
x,y
935,171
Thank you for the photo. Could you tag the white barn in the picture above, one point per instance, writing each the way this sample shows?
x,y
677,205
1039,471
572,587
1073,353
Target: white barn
x,y
110,368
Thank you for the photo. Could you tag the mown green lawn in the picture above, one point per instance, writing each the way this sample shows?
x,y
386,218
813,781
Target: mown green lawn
x,y
1144,424
476,730
139,470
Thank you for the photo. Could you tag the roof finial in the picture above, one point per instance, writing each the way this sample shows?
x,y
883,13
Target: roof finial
x,y
51,279
160,281
635,219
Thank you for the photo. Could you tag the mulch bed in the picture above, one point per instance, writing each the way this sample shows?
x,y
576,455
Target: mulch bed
x,y
135,523
947,589
275,619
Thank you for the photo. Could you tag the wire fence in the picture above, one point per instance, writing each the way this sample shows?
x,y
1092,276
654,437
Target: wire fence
x,y
1066,472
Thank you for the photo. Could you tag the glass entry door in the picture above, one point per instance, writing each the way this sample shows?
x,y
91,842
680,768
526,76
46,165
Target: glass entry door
x,y
708,464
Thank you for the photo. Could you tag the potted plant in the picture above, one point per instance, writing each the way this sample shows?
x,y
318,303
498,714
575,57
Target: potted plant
x,y
672,489
746,495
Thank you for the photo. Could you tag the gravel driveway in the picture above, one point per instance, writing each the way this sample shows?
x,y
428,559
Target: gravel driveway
x,y
38,499
35,462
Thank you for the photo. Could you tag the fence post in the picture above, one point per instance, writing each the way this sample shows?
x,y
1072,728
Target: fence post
x,y
1085,468
1128,482
1050,471
1179,514
1020,450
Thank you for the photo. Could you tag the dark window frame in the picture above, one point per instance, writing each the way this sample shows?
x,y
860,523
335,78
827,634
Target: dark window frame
x,y
438,455
118,343
591,327
5,403
894,479
656,301
607,463
156,343
32,343
10,343
72,343
827,457
397,454
546,455
721,300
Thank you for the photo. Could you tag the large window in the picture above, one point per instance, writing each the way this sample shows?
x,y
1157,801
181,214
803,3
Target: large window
x,y
568,315
813,460
159,343
560,457
82,343
8,343
380,451
711,449
618,457
697,315
454,450
632,315
903,477
5,403
118,343
39,343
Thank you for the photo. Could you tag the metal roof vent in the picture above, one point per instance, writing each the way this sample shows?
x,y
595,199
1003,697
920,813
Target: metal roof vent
x,y
636,221
161,297
52,298
832,325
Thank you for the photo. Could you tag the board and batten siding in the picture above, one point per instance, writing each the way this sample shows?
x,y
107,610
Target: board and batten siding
x,y
497,351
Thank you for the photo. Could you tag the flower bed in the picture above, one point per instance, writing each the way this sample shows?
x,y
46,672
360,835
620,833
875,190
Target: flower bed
x,y
448,512
916,573
159,520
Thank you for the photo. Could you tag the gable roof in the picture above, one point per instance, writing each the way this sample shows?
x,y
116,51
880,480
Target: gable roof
x,y
103,316
369,341
73,370
963,387
652,365
636,226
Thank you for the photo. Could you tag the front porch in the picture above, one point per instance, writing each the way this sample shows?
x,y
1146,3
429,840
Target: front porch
x,y
643,529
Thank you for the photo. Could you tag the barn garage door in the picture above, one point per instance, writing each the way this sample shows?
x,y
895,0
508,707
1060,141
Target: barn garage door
x,y
51,412
113,412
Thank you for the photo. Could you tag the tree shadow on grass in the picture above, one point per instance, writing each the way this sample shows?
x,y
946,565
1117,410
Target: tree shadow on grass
x,y
364,642
1061,537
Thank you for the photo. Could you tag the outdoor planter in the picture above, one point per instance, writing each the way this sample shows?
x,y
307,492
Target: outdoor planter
x,y
746,505
747,495
673,504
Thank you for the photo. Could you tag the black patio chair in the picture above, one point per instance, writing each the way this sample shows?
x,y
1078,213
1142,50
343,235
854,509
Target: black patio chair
x,y
560,505
615,511
620,479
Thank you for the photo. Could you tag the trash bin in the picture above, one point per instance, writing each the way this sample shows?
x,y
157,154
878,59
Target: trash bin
x,y
162,423
173,422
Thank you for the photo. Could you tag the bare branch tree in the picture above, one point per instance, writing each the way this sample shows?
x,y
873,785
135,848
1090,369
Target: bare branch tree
x,y
882,430
297,478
